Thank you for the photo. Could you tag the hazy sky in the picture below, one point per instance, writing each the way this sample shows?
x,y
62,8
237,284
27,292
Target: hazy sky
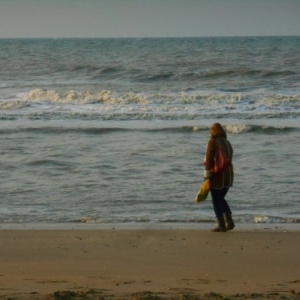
x,y
148,18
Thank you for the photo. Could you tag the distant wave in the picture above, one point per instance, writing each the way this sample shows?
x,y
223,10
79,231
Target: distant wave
x,y
150,65
233,129
171,73
89,68
105,71
246,72
144,116
154,77
213,75
237,129
80,69
61,130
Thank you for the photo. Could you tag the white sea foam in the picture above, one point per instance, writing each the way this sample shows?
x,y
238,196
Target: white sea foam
x,y
170,102
84,97
16,104
278,101
241,128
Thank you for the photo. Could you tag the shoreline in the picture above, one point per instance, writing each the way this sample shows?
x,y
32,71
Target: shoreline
x,y
148,226
147,264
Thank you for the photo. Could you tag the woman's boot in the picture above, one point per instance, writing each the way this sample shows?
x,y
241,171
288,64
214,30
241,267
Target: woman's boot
x,y
229,222
221,225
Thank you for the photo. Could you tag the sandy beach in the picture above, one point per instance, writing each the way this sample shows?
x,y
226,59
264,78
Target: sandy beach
x,y
149,264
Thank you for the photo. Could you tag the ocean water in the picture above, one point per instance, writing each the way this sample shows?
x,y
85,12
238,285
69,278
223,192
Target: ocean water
x,y
111,131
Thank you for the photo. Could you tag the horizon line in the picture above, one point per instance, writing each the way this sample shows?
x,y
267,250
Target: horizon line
x,y
155,37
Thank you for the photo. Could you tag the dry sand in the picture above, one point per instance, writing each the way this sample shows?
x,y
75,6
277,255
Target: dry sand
x,y
149,264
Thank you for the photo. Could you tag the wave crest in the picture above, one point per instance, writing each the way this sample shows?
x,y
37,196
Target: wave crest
x,y
236,129
84,97
8,105
210,100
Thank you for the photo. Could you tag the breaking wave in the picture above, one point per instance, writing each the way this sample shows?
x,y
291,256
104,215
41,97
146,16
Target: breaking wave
x,y
108,105
83,97
17,104
110,97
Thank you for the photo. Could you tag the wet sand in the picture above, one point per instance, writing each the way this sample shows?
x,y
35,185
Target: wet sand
x,y
149,264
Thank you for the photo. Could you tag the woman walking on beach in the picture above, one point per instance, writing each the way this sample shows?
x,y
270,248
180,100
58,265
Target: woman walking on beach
x,y
222,180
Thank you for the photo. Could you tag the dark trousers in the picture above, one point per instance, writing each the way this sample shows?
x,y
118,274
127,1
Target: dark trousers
x,y
220,204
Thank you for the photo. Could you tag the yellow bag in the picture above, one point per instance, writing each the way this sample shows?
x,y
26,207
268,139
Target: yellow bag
x,y
203,192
